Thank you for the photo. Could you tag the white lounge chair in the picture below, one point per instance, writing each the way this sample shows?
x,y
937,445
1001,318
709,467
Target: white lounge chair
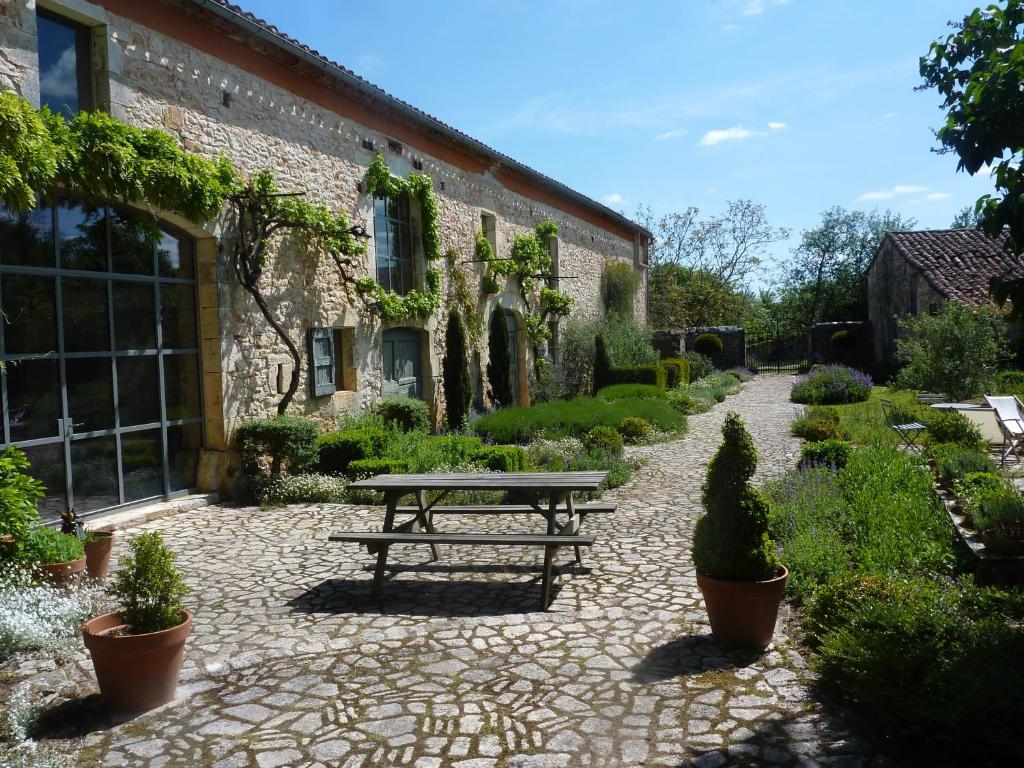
x,y
1010,414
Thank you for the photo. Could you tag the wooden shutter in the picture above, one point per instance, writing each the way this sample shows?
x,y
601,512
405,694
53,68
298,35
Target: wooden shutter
x,y
321,361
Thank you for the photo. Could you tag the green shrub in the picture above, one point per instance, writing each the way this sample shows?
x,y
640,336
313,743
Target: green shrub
x,y
575,418
973,487
1010,383
625,343
406,413
708,389
955,461
832,453
998,507
743,374
832,385
303,489
605,438
953,427
709,344
688,401
653,375
501,458
458,388
619,282
338,449
677,372
363,468
148,586
46,546
500,360
19,493
288,441
817,425
935,664
631,392
701,366
571,455
635,430
602,365
730,540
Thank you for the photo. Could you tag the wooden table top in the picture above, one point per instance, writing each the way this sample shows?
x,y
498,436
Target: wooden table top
x,y
485,481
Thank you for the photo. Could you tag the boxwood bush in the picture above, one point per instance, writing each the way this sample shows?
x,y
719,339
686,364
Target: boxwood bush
x,y
270,446
407,413
677,371
709,344
832,385
362,468
336,450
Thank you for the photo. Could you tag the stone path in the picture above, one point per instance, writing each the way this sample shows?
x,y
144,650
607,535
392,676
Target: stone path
x,y
290,663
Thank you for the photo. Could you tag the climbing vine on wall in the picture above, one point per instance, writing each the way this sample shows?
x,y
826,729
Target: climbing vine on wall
x,y
387,304
462,298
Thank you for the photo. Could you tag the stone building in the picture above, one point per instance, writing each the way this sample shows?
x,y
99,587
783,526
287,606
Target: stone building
x,y
127,371
916,272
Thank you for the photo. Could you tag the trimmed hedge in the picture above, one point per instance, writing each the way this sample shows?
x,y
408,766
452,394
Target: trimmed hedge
x,y
407,413
362,468
709,344
677,371
289,441
339,449
502,458
632,392
653,375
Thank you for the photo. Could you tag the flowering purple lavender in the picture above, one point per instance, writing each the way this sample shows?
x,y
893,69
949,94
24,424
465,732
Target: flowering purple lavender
x,y
832,385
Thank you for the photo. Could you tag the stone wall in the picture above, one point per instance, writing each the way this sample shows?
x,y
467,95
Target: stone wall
x,y
152,80
895,289
734,344
822,350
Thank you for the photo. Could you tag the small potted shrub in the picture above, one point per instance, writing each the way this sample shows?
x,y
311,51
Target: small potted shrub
x,y
738,571
1000,518
97,544
56,557
137,651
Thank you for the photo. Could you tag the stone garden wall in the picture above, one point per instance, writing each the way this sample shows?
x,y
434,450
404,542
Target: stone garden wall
x,y
855,348
734,348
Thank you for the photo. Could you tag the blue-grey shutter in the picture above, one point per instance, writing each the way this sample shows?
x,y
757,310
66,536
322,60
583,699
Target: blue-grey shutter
x,y
321,361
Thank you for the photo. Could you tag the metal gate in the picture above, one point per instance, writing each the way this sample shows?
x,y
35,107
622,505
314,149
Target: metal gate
x,y
776,353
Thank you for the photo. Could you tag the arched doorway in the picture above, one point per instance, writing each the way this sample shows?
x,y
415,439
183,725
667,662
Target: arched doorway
x,y
100,344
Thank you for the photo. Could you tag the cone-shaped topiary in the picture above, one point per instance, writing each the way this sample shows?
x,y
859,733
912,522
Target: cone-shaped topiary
x,y
731,540
457,387
602,365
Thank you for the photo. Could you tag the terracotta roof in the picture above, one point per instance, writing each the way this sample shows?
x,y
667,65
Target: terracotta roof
x,y
272,34
958,263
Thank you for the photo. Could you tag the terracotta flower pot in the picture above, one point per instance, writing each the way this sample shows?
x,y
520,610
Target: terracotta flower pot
x,y
135,672
743,613
994,542
97,554
60,574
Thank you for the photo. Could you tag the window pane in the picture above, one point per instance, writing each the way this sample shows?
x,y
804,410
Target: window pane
x,y
138,390
90,393
382,250
58,66
47,466
175,256
134,316
94,479
178,316
181,378
30,321
133,240
33,399
142,465
82,232
27,238
183,444
86,328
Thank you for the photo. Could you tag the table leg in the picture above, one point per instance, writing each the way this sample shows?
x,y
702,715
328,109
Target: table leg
x,y
425,520
574,525
390,505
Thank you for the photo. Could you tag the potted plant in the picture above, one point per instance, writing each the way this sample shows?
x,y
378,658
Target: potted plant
x,y
54,556
137,651
1000,518
738,571
98,546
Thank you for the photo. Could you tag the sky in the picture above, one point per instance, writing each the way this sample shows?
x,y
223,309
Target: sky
x,y
797,104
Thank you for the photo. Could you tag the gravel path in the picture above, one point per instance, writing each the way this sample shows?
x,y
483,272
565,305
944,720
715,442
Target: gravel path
x,y
291,664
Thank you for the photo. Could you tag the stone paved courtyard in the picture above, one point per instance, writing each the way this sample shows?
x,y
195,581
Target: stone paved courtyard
x,y
291,664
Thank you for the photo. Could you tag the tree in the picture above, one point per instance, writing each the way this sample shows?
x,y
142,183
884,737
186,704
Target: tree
x,y
458,391
731,247
499,366
955,352
602,364
967,218
682,297
827,278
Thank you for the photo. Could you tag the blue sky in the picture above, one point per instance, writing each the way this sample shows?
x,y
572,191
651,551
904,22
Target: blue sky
x,y
798,104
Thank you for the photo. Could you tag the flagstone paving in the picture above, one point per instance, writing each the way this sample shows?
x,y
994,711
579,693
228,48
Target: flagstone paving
x,y
291,664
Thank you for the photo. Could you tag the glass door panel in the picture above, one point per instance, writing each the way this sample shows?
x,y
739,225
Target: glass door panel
x,y
138,390
30,314
33,399
90,393
142,465
26,239
134,322
94,473
86,325
82,236
183,444
178,315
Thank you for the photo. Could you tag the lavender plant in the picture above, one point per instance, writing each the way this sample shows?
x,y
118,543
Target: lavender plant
x,y
832,385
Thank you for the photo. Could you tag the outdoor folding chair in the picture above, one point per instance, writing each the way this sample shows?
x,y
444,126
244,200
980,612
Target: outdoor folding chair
x,y
1010,415
909,431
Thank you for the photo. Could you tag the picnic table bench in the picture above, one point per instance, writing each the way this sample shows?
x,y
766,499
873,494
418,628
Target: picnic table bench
x,y
547,494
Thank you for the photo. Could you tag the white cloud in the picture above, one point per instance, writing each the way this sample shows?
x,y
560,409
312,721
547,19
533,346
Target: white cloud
x,y
614,199
753,8
776,126
59,80
677,134
888,115
891,192
736,133
937,196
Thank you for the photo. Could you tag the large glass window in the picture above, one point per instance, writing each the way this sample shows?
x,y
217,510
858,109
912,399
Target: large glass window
x,y
101,375
65,69
392,242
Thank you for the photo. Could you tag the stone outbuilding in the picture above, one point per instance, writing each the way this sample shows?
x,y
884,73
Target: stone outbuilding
x,y
914,272
126,370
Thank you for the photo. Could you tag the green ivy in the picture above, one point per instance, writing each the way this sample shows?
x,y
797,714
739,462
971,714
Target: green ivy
x,y
394,308
379,181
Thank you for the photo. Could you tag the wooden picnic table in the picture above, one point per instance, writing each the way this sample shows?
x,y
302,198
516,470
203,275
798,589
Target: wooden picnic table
x,y
548,494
